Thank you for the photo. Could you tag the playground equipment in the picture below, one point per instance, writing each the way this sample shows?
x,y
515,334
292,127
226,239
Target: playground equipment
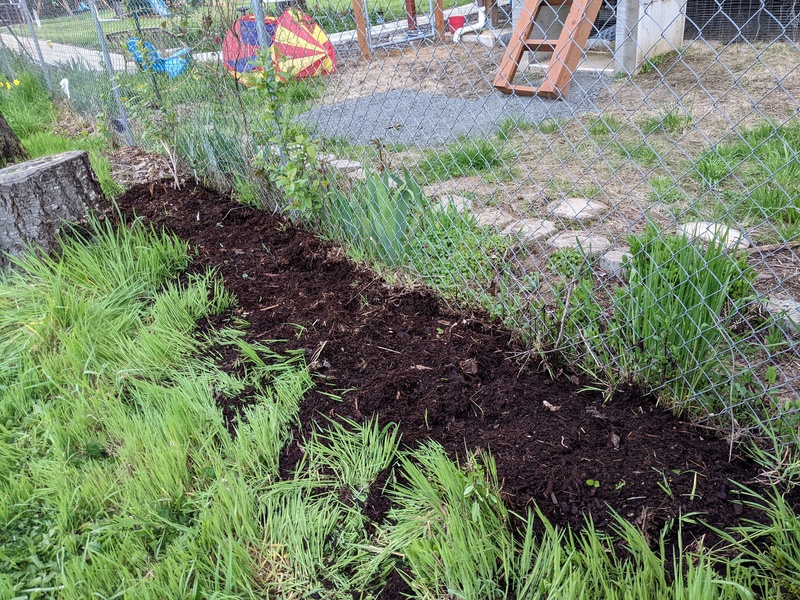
x,y
299,47
149,59
567,50
433,27
153,49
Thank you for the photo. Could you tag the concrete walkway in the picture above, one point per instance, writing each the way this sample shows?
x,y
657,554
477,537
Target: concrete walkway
x,y
64,54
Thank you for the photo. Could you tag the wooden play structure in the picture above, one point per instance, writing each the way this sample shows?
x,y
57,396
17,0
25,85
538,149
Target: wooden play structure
x,y
567,49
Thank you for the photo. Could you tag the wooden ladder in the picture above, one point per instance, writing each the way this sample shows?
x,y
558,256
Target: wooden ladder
x,y
567,49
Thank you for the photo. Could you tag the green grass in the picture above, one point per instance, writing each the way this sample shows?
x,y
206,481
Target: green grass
x,y
462,158
639,152
671,122
122,478
25,104
45,144
119,477
754,178
605,125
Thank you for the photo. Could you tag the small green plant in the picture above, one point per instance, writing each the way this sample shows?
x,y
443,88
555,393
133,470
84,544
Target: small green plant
x,y
289,158
673,121
593,483
374,216
652,63
509,125
672,311
463,157
549,126
640,152
605,125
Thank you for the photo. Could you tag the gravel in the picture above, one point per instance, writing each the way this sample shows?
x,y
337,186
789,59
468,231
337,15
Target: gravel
x,y
422,119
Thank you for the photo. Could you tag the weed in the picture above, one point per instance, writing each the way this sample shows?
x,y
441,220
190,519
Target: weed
x,y
673,121
375,217
639,152
461,158
652,63
605,125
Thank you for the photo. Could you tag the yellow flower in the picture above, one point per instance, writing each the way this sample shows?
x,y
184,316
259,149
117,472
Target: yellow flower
x,y
8,84
16,82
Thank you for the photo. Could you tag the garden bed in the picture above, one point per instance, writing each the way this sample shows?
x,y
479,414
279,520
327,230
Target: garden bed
x,y
456,378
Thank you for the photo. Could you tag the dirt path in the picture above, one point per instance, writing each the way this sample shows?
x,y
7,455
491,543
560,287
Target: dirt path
x,y
454,378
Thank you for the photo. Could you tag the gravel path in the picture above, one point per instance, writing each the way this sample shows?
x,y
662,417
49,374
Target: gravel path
x,y
422,119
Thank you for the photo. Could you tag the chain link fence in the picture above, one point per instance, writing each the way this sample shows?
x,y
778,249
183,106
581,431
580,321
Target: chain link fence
x,y
638,229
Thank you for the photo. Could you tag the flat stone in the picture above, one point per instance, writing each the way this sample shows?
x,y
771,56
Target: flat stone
x,y
613,262
531,230
459,203
342,164
577,209
786,312
494,217
703,231
591,245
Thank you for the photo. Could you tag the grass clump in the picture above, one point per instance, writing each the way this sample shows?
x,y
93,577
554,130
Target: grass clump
x,y
461,158
754,177
672,313
46,143
122,477
25,104
605,125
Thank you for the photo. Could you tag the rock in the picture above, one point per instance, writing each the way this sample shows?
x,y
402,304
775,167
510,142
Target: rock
x,y
591,245
494,217
459,203
530,230
703,231
581,210
786,312
38,196
613,262
342,165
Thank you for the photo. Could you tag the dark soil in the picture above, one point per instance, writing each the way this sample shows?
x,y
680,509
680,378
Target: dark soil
x,y
452,377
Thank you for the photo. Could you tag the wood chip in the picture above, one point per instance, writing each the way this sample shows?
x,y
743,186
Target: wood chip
x,y
550,407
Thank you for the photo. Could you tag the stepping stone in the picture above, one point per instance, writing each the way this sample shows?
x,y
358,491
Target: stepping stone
x,y
342,165
705,232
613,262
581,210
786,312
459,203
591,245
531,230
494,217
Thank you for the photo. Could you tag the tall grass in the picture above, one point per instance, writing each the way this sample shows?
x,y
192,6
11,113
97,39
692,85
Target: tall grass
x,y
119,475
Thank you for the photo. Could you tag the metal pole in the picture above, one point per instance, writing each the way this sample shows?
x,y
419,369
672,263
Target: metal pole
x,y
123,117
264,40
27,13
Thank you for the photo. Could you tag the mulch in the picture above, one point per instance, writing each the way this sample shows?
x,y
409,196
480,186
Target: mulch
x,y
454,377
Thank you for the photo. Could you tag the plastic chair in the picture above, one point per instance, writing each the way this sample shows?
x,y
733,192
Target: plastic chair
x,y
149,59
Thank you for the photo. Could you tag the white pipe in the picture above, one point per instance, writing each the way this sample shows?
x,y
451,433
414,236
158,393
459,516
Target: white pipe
x,y
477,27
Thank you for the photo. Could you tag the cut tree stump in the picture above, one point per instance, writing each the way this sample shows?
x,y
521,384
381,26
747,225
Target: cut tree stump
x,y
38,196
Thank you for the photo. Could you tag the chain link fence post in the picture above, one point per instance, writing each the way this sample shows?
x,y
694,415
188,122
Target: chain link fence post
x,y
27,15
109,66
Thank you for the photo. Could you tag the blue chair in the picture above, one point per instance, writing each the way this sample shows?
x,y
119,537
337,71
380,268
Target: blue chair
x,y
149,59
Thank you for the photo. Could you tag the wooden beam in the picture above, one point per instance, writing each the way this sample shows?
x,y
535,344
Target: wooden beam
x,y
361,28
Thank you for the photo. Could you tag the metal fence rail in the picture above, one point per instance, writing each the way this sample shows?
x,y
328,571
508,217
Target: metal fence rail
x,y
643,228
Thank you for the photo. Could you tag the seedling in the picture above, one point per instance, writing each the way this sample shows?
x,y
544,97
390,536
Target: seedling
x,y
619,485
594,483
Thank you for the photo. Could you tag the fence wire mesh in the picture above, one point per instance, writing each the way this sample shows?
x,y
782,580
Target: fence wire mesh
x,y
640,228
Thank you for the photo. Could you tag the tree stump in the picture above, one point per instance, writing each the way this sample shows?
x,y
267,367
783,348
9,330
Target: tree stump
x,y
11,150
38,196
